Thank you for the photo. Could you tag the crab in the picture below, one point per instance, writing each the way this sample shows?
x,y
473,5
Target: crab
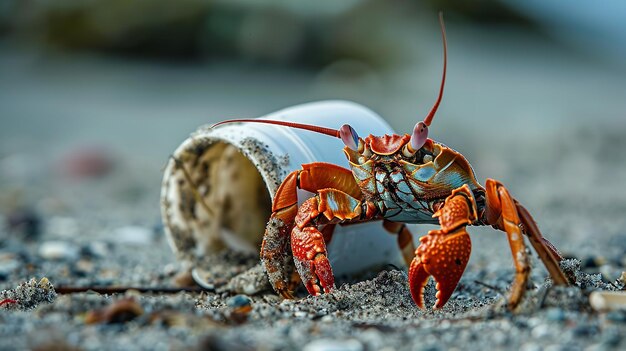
x,y
398,179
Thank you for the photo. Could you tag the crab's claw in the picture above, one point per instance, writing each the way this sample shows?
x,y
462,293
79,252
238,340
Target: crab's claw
x,y
444,256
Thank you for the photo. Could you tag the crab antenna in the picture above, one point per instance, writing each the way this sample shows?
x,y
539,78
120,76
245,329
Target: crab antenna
x,y
431,114
317,129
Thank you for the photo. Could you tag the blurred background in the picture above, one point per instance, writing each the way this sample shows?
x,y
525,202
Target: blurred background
x,y
95,95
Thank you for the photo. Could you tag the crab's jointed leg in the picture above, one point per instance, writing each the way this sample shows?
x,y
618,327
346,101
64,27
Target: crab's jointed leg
x,y
275,251
405,239
505,213
502,214
548,254
441,248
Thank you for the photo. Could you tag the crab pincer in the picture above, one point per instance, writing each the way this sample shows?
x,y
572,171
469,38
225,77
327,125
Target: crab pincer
x,y
444,253
310,257
444,256
307,241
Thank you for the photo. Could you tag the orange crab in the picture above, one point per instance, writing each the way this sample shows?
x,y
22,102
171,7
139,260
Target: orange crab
x,y
396,179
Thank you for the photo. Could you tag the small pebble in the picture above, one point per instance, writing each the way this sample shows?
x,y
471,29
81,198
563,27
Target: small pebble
x,y
8,263
170,269
541,331
24,222
617,316
66,227
530,347
96,249
58,250
83,268
499,337
240,309
611,337
334,345
183,279
555,347
609,272
585,330
300,314
133,235
555,315
588,262
238,301
593,261
327,318
373,339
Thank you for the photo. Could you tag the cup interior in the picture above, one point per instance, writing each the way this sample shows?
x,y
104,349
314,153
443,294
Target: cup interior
x,y
218,200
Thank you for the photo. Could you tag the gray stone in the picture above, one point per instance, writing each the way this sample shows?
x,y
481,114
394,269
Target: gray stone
x,y
59,250
334,345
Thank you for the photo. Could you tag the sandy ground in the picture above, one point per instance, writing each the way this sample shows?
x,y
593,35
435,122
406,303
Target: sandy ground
x,y
559,148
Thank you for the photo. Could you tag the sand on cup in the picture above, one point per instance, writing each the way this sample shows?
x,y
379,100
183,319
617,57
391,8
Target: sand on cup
x,y
219,184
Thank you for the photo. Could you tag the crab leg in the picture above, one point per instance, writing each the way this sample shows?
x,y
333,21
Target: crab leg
x,y
405,239
505,213
444,253
276,253
501,213
548,254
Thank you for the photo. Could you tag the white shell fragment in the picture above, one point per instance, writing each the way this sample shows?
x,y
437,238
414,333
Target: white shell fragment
x,y
219,184
608,300
58,250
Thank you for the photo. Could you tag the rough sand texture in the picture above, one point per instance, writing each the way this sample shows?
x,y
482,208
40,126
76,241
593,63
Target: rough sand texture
x,y
369,312
107,232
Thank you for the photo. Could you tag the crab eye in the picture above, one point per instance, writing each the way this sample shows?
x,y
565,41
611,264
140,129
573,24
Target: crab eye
x,y
419,136
349,137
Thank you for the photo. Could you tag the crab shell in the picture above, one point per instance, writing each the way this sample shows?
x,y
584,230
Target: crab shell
x,y
409,188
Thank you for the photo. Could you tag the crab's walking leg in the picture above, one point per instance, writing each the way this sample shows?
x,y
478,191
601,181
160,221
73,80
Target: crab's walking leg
x,y
548,254
275,250
405,239
504,212
307,242
444,253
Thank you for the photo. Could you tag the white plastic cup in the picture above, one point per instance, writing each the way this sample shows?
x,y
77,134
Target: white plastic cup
x,y
237,168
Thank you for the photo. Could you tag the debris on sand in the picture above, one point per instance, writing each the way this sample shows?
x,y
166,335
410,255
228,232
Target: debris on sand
x,y
29,294
120,311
